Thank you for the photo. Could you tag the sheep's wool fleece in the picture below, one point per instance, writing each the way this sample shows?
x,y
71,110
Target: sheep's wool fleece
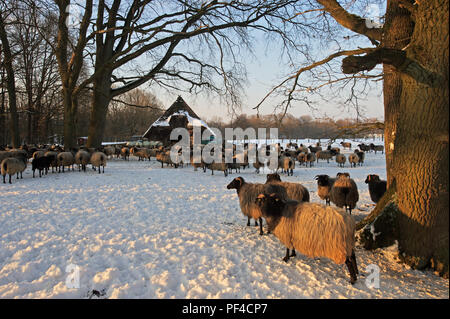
x,y
317,231
337,196
250,191
294,191
324,191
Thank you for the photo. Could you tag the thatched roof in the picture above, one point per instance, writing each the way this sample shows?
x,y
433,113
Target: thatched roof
x,y
179,114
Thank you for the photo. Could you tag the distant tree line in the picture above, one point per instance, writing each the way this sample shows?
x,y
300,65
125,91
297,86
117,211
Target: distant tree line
x,y
305,126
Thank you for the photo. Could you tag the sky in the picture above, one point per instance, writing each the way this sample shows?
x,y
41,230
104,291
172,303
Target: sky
x,y
262,75
265,70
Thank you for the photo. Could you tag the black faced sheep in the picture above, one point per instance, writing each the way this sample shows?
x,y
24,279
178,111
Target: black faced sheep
x,y
353,159
377,187
361,156
312,229
65,159
287,164
82,158
377,148
295,191
341,159
41,164
99,159
327,155
13,165
346,145
344,192
324,184
247,192
310,158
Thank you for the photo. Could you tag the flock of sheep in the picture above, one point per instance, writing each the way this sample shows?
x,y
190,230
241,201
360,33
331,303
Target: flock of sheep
x,y
313,229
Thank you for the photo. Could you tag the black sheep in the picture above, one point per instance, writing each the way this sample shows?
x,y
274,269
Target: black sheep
x,y
42,163
377,187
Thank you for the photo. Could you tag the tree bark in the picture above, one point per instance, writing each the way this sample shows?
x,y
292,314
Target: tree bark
x,y
421,151
397,34
70,118
11,85
100,102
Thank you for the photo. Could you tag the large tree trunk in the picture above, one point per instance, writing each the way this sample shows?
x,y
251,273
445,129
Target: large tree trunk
x,y
398,29
100,101
70,119
11,86
421,149
417,158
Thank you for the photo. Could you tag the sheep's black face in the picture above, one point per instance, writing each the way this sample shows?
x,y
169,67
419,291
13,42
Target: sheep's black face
x,y
270,205
273,177
372,178
322,180
236,183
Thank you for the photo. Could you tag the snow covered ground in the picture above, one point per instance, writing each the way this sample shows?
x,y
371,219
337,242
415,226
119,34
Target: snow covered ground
x,y
139,231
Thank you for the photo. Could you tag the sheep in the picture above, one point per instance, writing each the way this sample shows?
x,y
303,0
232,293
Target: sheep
x,y
324,155
98,159
314,149
361,156
109,151
341,159
379,148
163,157
5,154
295,191
301,158
344,192
312,229
287,164
13,165
41,163
377,187
218,167
247,192
363,147
38,153
334,150
18,153
303,149
346,145
324,184
125,153
65,159
141,153
353,159
82,158
53,155
310,158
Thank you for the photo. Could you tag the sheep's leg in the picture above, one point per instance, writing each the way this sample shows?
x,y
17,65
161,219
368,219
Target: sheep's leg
x,y
103,169
256,222
4,179
286,258
293,254
351,270
355,266
248,221
261,232
33,173
10,178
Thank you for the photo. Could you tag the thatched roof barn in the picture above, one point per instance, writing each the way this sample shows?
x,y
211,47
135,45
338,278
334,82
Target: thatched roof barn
x,y
179,114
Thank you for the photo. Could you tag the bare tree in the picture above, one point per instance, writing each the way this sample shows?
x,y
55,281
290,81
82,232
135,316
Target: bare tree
x,y
412,47
10,82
